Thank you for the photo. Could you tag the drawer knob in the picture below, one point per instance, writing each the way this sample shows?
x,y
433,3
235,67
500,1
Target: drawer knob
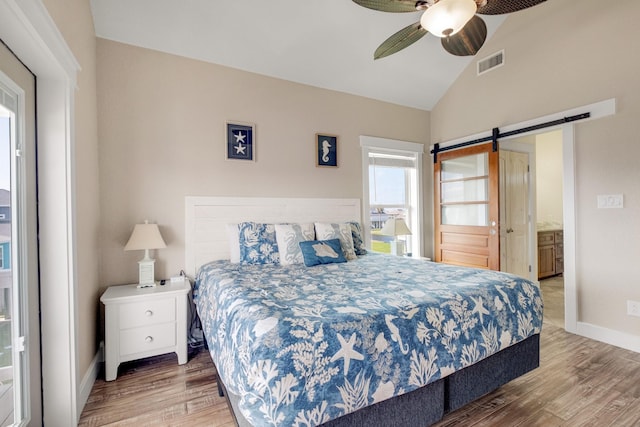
x,y
148,313
149,338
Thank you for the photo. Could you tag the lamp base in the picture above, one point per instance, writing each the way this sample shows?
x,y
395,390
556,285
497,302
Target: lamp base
x,y
397,247
146,273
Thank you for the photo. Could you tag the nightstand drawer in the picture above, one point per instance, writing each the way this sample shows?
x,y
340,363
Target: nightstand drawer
x,y
147,338
149,312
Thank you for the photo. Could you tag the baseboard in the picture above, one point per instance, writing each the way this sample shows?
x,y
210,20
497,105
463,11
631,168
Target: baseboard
x,y
609,336
89,379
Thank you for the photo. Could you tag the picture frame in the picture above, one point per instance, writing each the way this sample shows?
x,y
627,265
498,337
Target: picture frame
x,y
240,140
326,150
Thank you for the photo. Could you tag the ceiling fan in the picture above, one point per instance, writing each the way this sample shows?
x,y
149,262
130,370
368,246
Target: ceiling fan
x,y
462,32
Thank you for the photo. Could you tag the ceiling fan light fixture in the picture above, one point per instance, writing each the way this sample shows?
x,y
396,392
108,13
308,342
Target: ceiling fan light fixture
x,y
447,17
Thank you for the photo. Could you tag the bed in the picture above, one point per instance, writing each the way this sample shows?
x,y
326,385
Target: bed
x,y
376,340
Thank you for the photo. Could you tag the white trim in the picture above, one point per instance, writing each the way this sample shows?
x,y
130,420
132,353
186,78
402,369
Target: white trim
x,y
34,37
369,143
569,228
390,144
27,28
86,385
609,336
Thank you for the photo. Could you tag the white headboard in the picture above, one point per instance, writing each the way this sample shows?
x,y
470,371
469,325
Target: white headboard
x,y
206,220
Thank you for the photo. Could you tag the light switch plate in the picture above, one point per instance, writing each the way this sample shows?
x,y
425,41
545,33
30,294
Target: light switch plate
x,y
633,308
610,201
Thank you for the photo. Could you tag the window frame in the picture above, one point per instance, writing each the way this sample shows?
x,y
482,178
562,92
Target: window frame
x,y
370,144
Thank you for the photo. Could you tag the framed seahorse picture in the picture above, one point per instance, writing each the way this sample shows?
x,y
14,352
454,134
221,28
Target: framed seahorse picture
x,y
326,150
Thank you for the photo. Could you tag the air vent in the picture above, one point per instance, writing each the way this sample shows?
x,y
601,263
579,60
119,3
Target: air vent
x,y
491,62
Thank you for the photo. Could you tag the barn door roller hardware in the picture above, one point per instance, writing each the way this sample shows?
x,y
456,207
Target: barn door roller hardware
x,y
495,134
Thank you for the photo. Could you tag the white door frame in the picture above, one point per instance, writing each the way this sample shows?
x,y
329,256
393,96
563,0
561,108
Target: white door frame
x,y
28,29
597,110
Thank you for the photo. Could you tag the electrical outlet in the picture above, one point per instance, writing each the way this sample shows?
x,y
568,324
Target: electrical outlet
x,y
633,308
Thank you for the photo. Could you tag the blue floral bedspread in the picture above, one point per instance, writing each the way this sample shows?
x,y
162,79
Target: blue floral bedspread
x,y
303,345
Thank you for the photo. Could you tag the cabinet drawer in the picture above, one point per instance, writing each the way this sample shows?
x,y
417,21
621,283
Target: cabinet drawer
x,y
147,313
545,239
147,338
559,250
559,235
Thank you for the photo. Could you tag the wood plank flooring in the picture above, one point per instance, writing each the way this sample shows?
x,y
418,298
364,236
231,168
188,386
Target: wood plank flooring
x,y
580,382
553,297
158,392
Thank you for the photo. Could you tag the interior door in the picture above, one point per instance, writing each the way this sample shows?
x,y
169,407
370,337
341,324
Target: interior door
x,y
514,213
467,207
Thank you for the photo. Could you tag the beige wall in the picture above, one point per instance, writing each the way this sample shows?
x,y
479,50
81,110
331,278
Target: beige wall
x,y
549,179
73,19
559,56
161,129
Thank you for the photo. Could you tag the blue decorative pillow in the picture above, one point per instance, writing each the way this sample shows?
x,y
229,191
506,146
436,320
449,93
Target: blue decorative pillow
x,y
358,241
258,243
342,231
317,252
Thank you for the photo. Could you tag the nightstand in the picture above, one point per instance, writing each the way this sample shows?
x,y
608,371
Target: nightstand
x,y
143,322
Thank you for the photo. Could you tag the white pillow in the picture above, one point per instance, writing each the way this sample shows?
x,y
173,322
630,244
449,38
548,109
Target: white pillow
x,y
342,231
233,233
289,237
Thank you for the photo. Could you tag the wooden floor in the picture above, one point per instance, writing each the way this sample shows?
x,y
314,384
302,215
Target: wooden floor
x,y
159,392
553,296
580,382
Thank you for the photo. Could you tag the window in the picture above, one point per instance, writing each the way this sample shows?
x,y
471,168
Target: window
x,y
392,179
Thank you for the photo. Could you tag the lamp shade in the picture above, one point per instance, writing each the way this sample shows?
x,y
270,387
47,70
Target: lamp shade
x,y
145,236
395,227
447,17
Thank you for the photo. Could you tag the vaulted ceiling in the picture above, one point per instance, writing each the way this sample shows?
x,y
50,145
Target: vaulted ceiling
x,y
325,43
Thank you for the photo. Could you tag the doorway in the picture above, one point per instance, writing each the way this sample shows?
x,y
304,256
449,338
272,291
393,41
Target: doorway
x,y
596,111
544,253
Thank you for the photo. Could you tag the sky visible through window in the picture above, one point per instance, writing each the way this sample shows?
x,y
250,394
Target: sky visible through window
x,y
386,185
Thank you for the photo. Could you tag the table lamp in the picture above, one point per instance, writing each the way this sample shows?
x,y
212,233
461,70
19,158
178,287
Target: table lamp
x,y
396,227
145,236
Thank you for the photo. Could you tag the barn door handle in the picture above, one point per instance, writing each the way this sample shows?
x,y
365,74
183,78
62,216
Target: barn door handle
x,y
509,230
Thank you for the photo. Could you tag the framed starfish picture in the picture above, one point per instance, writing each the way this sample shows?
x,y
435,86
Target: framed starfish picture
x,y
241,141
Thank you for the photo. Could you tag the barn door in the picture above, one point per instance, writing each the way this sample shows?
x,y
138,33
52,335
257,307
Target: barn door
x,y
467,207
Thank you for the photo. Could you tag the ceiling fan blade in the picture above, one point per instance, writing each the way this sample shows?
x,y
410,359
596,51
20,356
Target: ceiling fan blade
x,y
499,7
467,41
403,38
392,5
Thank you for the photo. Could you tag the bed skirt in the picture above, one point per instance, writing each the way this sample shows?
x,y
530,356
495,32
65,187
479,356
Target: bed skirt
x,y
428,404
